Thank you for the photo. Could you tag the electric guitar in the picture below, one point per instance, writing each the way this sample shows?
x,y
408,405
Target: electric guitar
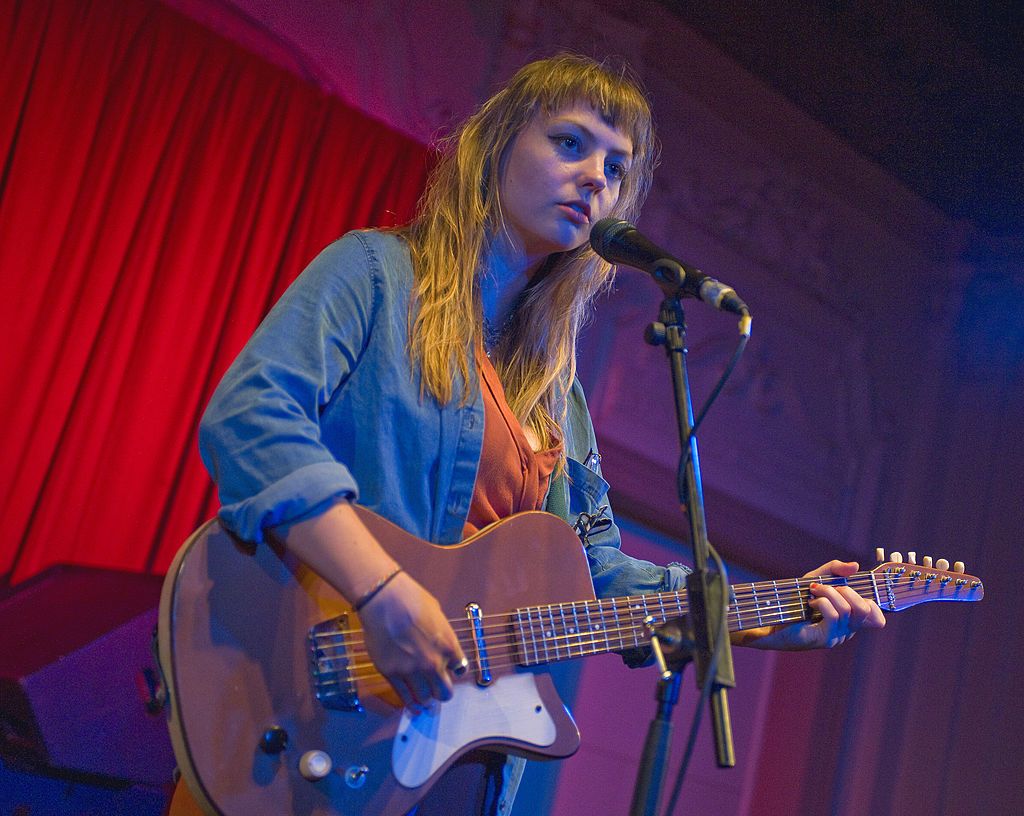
x,y
276,709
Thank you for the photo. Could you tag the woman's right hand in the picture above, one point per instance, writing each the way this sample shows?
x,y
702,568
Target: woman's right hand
x,y
407,636
411,642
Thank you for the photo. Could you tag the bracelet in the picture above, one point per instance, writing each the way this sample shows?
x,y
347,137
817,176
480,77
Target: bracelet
x,y
383,582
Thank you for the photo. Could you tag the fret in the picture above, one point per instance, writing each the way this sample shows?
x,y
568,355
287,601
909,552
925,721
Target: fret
x,y
618,625
638,606
592,629
778,602
804,609
537,626
576,629
757,604
605,629
565,627
661,603
522,637
735,607
522,634
874,586
549,634
602,625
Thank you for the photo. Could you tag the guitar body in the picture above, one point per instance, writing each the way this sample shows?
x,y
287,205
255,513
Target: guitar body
x,y
234,641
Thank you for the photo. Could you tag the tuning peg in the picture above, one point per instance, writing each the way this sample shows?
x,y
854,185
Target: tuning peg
x,y
879,555
942,564
958,567
911,557
896,557
926,561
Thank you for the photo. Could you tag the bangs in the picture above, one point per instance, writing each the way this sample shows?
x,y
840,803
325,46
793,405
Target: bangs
x,y
618,102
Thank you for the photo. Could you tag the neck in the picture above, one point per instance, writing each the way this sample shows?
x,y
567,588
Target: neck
x,y
505,273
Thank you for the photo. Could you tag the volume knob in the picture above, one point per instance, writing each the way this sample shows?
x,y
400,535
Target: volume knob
x,y
274,740
314,765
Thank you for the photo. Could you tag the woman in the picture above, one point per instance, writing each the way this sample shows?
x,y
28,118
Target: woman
x,y
429,374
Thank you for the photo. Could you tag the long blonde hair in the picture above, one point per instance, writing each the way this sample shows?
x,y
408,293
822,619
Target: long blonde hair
x,y
460,211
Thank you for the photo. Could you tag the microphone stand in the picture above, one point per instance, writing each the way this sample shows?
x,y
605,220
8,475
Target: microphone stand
x,y
705,591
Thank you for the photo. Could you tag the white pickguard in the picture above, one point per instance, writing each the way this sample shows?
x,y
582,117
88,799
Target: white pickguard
x,y
511,707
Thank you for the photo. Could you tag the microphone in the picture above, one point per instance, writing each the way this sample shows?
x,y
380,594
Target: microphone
x,y
619,242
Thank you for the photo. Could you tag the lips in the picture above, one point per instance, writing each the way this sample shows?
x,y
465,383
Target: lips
x,y
579,209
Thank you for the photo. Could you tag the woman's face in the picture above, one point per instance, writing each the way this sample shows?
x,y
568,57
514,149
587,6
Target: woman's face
x,y
562,175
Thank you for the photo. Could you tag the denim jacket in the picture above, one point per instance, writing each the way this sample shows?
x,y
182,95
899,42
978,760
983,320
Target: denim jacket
x,y
322,405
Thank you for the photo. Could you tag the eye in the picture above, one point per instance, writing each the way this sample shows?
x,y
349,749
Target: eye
x,y
616,171
568,142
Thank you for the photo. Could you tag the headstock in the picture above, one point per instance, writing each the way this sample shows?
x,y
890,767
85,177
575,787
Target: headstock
x,y
901,584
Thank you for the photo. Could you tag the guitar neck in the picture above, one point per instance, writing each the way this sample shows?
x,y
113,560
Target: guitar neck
x,y
553,632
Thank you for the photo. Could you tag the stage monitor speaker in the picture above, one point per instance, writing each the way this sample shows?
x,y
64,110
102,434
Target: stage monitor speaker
x,y
79,686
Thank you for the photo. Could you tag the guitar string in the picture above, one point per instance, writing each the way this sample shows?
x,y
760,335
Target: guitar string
x,y
513,650
508,652
534,648
788,597
524,638
528,650
504,653
549,619
512,647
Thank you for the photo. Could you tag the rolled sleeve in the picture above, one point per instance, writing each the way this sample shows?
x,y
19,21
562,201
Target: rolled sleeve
x,y
260,436
304,493
614,573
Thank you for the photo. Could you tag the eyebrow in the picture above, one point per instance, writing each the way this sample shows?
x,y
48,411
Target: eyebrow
x,y
591,135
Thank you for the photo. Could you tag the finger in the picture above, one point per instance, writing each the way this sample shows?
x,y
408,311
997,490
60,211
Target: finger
x,y
864,613
833,627
423,689
861,609
450,647
402,690
822,629
452,662
873,618
833,597
841,568
458,667
441,684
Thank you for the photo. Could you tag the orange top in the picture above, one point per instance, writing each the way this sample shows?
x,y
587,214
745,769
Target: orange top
x,y
512,477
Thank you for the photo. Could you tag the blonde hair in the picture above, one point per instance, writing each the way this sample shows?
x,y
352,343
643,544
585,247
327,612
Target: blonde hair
x,y
459,213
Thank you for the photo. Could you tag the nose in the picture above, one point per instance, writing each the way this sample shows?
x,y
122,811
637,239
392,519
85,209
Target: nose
x,y
591,174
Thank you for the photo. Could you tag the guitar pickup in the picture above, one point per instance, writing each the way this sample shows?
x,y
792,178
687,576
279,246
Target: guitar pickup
x,y
483,665
330,665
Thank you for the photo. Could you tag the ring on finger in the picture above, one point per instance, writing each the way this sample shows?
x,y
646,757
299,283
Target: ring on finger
x,y
458,667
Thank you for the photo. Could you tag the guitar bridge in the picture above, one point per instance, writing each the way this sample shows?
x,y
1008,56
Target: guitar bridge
x,y
330,666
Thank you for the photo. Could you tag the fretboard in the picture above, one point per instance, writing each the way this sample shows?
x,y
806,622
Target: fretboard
x,y
553,632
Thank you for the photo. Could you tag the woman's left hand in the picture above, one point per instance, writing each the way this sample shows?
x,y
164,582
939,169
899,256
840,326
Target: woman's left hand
x,y
843,613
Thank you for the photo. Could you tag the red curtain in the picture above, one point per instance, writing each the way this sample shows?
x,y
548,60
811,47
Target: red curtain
x,y
159,188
